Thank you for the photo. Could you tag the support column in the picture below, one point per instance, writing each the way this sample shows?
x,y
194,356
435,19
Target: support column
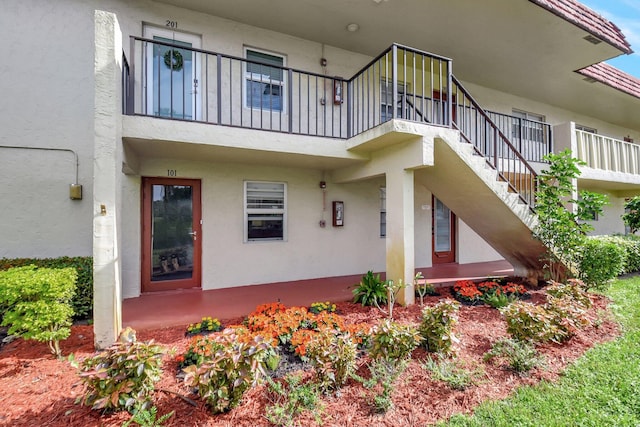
x,y
400,232
107,301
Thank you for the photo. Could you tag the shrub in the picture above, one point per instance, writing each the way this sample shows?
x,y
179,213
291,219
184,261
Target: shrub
x,y
82,301
521,356
233,367
38,303
333,356
632,217
498,299
530,322
122,376
448,371
392,341
600,262
572,290
290,398
422,289
631,245
569,316
436,327
392,345
371,290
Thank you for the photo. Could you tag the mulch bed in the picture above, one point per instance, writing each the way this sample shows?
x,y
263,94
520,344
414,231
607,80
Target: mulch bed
x,y
38,390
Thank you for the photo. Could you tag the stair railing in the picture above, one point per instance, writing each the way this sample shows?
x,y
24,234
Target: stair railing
x,y
477,129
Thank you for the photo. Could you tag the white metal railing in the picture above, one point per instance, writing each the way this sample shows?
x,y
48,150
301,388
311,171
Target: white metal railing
x,y
606,153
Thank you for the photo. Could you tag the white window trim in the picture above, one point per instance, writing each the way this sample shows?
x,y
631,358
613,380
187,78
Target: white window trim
x,y
383,210
261,79
248,211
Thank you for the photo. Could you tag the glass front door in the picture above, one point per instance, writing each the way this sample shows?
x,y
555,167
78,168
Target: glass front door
x,y
172,75
171,234
443,233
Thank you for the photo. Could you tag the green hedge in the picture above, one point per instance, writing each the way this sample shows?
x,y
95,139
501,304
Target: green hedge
x,y
601,261
82,301
631,244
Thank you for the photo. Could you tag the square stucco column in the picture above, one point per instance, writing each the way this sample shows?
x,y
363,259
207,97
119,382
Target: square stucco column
x,y
400,232
106,179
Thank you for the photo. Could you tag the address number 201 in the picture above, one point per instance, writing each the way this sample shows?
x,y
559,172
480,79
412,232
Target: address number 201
x,y
171,24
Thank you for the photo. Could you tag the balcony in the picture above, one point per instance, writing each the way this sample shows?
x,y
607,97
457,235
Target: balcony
x,y
175,82
608,154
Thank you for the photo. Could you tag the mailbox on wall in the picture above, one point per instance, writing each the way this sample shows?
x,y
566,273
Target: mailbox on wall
x,y
338,214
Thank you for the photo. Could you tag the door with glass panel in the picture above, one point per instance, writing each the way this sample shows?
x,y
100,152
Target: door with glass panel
x,y
172,75
443,232
171,234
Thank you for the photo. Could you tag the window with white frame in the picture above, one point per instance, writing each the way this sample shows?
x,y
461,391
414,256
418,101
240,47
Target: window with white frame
x,y
265,210
586,128
264,77
386,100
383,212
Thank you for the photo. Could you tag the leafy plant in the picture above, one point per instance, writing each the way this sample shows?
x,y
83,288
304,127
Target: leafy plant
x,y
333,357
148,418
392,341
569,316
206,325
123,376
521,356
392,345
436,327
290,398
498,299
573,290
600,262
422,289
38,303
530,322
559,228
451,373
233,367
467,292
632,216
371,290
82,300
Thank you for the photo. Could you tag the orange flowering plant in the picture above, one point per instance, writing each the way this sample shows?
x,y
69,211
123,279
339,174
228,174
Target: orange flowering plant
x,y
469,292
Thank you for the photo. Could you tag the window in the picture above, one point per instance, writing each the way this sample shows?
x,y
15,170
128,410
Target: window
x,y
383,212
586,128
264,80
265,210
528,126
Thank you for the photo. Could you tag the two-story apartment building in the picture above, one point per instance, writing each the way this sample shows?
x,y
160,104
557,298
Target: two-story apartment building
x,y
213,144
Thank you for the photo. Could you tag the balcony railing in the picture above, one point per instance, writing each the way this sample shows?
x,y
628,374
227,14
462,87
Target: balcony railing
x,y
532,139
477,128
603,152
182,83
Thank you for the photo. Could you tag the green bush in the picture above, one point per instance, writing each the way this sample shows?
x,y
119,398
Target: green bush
x,y
37,303
371,290
82,301
291,397
436,327
333,356
123,376
530,322
631,244
393,341
232,368
521,356
601,261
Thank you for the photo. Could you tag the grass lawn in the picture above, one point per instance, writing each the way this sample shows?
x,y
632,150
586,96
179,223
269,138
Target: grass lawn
x,y
601,389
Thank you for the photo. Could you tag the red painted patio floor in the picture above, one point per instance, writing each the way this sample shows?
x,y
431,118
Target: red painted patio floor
x,y
163,309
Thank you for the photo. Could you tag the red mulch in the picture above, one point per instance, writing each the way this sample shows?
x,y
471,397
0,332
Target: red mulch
x,y
38,390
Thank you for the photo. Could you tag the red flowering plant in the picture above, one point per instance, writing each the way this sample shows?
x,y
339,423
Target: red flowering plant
x,y
467,292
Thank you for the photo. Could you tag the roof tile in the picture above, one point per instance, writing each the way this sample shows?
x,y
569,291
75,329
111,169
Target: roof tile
x,y
611,76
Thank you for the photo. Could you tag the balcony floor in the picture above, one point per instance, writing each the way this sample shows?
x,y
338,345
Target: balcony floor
x,y
163,309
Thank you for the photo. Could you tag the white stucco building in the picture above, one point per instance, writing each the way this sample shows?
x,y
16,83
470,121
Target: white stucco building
x,y
222,144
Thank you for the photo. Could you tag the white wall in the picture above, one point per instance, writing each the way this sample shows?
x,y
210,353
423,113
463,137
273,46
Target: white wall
x,y
309,251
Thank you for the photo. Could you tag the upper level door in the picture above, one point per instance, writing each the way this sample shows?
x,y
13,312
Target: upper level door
x,y
444,233
172,75
171,234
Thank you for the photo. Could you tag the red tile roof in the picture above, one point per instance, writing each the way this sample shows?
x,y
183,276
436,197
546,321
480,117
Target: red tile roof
x,y
585,18
611,76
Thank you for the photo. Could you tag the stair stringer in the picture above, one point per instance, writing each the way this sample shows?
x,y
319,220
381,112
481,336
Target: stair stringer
x,y
464,182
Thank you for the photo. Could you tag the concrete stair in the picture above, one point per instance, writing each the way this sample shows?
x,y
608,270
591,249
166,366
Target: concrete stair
x,y
464,182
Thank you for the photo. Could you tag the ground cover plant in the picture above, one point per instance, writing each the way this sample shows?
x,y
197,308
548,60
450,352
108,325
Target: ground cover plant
x,y
44,388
